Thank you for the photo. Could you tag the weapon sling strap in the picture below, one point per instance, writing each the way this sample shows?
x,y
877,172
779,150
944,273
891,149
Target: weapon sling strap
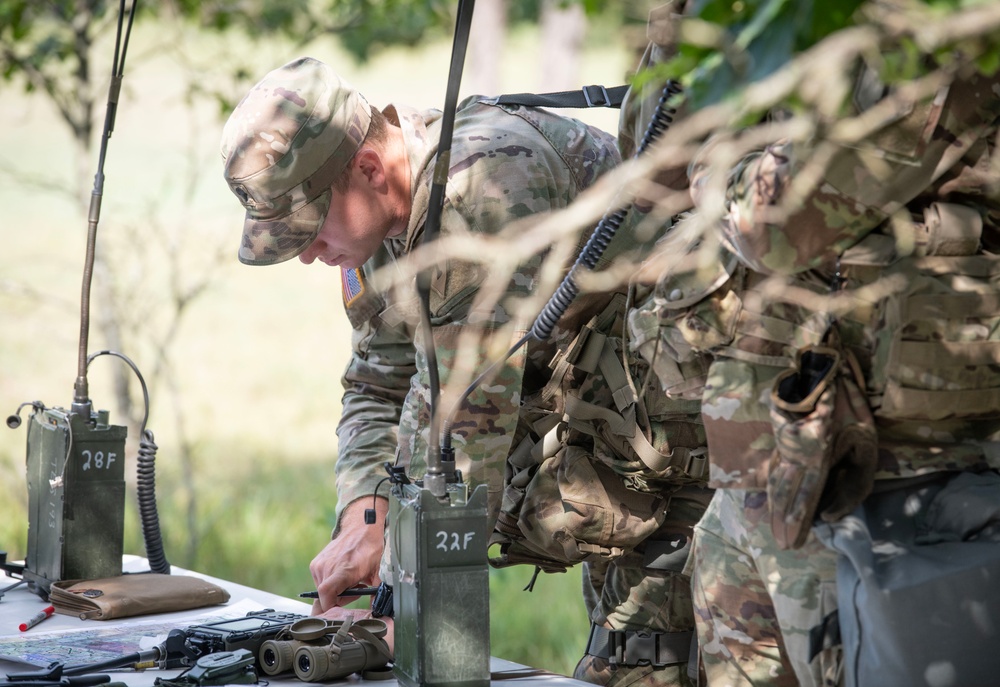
x,y
588,96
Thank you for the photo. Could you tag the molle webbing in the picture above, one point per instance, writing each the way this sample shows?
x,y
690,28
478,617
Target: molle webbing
x,y
581,416
601,352
936,347
944,353
574,356
781,337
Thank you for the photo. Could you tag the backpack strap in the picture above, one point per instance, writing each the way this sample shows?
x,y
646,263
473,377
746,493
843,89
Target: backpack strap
x,y
588,96
621,421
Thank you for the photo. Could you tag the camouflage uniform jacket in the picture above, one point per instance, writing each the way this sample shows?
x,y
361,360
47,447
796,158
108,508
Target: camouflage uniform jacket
x,y
927,345
506,163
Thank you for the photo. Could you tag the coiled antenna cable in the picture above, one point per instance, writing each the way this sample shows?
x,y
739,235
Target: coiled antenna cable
x,y
604,232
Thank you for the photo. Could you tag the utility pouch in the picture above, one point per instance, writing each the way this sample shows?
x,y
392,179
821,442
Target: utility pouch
x,y
937,344
949,229
520,470
825,453
687,316
575,509
133,594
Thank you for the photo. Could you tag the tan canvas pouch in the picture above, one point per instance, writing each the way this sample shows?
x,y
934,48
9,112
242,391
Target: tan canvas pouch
x,y
573,509
825,453
133,594
686,316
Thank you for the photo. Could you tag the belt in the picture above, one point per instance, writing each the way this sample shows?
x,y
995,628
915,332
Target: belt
x,y
640,647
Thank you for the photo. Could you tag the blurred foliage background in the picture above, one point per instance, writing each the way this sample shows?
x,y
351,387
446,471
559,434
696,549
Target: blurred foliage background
x,y
243,365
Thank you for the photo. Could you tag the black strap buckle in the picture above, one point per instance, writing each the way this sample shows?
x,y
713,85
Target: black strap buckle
x,y
635,649
592,93
640,647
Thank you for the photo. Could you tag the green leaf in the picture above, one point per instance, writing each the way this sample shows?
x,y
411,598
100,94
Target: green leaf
x,y
989,61
762,36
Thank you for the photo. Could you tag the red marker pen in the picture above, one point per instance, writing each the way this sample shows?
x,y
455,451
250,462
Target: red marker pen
x,y
35,619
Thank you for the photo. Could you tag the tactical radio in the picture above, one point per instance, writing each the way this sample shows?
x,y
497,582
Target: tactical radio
x,y
441,598
75,458
76,497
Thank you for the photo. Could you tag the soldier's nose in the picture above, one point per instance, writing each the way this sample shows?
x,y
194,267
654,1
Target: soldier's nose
x,y
309,254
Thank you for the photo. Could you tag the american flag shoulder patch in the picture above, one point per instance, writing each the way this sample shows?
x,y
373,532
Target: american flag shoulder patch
x,y
354,285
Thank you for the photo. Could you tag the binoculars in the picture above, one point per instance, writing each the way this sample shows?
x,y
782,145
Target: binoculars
x,y
317,650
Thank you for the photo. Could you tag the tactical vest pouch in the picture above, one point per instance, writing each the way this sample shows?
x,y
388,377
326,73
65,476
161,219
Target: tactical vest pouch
x,y
825,444
937,345
589,479
949,229
688,315
916,587
520,469
573,509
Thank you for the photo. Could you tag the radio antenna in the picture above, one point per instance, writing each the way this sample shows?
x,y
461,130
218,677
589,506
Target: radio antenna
x,y
81,392
435,477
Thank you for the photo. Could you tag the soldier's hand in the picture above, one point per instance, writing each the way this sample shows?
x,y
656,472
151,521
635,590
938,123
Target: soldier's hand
x,y
351,558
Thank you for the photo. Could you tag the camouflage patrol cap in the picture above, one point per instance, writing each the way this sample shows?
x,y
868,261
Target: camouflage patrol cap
x,y
284,145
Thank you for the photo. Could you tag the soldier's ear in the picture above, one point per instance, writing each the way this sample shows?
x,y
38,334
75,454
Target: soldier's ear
x,y
370,164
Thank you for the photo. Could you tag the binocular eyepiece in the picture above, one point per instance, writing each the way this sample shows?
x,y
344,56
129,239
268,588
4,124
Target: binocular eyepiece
x,y
276,656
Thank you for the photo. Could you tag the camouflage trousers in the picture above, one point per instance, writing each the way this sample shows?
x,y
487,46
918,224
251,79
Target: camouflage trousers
x,y
628,594
759,608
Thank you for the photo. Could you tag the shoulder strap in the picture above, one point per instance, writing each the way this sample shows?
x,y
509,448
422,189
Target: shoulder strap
x,y
588,96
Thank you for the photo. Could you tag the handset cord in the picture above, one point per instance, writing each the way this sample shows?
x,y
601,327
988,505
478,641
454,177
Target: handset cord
x,y
146,479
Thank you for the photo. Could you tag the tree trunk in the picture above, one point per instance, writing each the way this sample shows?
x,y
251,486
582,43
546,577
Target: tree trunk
x,y
563,29
486,45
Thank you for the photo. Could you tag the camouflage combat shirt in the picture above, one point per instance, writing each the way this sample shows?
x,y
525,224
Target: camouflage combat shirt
x,y
506,163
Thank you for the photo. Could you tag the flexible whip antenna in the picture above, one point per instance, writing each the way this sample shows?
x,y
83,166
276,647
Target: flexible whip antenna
x,y
81,392
434,478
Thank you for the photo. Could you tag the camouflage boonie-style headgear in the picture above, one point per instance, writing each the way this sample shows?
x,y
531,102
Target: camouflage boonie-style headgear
x,y
284,145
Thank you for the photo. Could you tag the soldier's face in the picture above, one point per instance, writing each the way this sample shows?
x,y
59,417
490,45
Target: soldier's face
x,y
351,233
360,218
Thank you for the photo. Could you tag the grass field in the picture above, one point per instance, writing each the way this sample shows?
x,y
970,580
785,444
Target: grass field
x,y
245,418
